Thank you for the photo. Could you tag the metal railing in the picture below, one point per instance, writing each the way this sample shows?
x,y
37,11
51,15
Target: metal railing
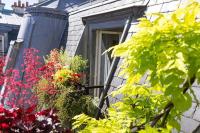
x,y
86,89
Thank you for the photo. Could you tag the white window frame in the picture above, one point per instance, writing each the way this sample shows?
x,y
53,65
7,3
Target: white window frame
x,y
4,45
98,55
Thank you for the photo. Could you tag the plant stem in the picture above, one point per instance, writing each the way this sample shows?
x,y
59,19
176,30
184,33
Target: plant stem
x,y
170,105
167,109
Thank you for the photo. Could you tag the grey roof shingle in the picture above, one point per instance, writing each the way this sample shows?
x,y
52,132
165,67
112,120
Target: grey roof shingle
x,y
9,18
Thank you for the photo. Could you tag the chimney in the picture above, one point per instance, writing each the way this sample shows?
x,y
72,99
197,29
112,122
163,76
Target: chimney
x,y
2,5
27,4
19,7
15,4
19,3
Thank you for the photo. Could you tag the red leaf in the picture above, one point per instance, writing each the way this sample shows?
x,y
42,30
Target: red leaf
x,y
4,125
31,109
44,112
30,118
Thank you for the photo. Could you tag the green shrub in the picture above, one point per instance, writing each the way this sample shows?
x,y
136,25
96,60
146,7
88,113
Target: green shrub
x,y
60,86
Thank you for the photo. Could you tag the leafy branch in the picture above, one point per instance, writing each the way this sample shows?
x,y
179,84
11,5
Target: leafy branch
x,y
170,105
166,111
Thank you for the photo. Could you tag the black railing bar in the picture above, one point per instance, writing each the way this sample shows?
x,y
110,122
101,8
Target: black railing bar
x,y
113,69
86,86
93,87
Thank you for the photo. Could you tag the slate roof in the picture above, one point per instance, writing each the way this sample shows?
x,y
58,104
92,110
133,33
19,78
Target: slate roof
x,y
7,17
47,4
59,4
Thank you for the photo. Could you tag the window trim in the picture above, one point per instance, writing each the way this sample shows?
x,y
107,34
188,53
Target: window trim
x,y
98,56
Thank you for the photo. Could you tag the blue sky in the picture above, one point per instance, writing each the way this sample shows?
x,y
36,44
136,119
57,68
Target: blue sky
x,y
10,2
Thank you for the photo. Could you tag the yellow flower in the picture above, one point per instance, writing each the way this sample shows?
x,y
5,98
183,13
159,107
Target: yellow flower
x,y
62,75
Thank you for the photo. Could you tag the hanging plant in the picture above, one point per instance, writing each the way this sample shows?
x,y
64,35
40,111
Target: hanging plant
x,y
60,86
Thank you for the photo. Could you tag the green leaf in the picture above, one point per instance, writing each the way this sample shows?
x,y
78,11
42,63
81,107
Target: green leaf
x,y
174,123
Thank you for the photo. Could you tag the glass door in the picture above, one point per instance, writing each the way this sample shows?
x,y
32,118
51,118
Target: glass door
x,y
103,60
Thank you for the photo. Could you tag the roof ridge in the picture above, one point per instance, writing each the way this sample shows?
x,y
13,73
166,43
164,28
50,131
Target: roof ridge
x,y
41,3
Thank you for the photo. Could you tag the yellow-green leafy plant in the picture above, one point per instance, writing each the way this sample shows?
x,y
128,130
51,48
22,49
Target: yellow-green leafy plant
x,y
168,50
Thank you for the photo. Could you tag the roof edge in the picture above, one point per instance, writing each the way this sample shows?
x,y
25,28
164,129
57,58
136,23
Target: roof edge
x,y
47,12
41,3
136,11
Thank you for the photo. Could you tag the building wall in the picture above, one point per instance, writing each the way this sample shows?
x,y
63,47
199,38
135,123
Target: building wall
x,y
76,26
191,118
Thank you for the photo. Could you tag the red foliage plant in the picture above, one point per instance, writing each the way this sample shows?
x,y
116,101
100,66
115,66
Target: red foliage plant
x,y
16,120
48,70
18,95
18,84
